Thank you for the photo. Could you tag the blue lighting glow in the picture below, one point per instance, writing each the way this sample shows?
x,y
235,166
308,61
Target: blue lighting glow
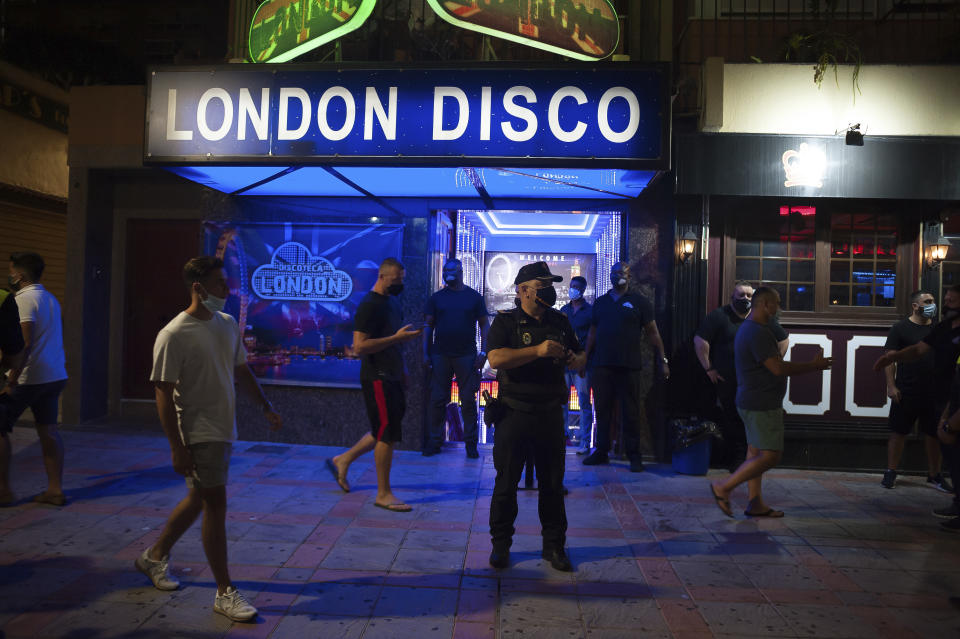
x,y
226,179
539,224
308,180
410,181
556,183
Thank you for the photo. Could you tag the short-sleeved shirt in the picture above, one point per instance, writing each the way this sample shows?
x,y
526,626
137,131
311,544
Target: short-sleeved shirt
x,y
757,387
200,358
380,316
455,315
719,328
619,324
915,378
945,341
11,337
46,361
580,320
543,377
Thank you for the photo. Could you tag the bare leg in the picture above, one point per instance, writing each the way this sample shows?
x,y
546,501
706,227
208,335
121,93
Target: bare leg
x,y
757,463
5,448
383,456
934,456
895,450
214,534
182,517
364,445
51,445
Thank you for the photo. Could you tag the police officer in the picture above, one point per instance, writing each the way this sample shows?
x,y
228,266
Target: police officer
x,y
531,346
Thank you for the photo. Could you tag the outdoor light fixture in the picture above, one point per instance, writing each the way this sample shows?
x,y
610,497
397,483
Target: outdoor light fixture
x,y
854,137
937,252
688,244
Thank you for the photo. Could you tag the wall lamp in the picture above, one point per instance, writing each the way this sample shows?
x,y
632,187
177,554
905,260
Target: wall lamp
x,y
937,252
854,137
688,244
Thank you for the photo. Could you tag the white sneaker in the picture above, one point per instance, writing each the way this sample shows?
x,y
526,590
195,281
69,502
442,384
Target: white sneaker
x,y
158,571
234,605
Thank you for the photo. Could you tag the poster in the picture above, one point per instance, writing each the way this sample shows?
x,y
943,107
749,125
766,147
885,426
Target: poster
x,y
294,291
500,269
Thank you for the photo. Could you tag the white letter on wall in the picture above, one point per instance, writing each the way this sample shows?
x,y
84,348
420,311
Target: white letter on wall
x,y
553,114
520,112
485,103
284,133
248,110
439,93
387,119
603,122
172,133
351,113
202,125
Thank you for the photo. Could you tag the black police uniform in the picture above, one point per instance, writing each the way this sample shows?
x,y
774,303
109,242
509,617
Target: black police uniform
x,y
533,395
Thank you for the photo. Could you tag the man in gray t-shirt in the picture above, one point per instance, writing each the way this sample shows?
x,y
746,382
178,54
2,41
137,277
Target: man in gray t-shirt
x,y
761,384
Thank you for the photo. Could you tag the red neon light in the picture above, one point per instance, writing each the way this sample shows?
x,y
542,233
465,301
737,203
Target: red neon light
x,y
805,211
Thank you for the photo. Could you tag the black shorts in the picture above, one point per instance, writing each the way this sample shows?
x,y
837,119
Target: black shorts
x,y
910,409
42,399
386,405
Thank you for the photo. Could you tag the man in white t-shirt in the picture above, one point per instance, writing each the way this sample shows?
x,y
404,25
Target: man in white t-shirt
x,y
196,359
39,378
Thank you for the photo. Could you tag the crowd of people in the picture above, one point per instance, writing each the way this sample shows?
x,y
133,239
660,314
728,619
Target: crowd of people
x,y
538,354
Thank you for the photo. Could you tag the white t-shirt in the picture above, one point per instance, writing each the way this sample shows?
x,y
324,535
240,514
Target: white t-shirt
x,y
46,362
200,357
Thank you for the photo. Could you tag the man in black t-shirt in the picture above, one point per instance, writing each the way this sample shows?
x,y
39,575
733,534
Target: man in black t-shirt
x,y
620,321
452,315
11,352
377,335
910,387
713,344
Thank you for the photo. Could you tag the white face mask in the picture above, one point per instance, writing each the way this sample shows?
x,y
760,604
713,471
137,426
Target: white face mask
x,y
575,293
213,303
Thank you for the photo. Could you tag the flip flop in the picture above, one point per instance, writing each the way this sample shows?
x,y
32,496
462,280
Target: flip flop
x,y
770,512
341,481
52,500
722,502
395,508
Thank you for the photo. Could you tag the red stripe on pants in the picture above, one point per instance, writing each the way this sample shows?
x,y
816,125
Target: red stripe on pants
x,y
381,406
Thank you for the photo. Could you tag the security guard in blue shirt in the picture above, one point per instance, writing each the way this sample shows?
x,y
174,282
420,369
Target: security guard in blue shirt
x,y
531,346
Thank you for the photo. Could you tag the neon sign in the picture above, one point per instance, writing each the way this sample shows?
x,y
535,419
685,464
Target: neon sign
x,y
294,274
804,167
281,30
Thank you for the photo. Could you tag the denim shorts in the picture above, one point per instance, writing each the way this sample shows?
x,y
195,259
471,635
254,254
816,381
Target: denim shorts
x,y
211,461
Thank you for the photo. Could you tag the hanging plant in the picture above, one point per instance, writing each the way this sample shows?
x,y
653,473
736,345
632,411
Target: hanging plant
x,y
825,46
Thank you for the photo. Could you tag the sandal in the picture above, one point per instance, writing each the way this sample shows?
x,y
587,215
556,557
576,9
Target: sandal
x,y
722,502
50,499
769,512
341,481
395,508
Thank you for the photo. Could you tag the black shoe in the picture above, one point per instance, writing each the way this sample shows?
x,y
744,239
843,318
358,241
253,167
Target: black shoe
x,y
472,451
596,458
636,465
557,558
952,525
430,452
889,479
499,559
947,513
941,484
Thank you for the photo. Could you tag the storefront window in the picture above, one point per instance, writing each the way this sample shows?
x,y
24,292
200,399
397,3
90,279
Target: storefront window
x,y
780,252
863,259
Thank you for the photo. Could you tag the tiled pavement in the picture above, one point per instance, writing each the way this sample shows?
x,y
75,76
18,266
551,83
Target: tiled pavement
x,y
653,555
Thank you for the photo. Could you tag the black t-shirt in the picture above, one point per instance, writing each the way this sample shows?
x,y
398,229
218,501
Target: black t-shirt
x,y
543,377
380,316
455,316
912,377
719,329
945,341
619,324
11,336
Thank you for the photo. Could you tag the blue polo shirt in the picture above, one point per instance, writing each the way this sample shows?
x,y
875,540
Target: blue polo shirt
x,y
455,315
620,325
580,320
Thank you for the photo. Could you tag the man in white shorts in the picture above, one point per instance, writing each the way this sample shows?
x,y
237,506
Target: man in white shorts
x,y
196,358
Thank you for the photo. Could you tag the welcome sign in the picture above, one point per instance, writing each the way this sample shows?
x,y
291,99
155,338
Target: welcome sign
x,y
618,114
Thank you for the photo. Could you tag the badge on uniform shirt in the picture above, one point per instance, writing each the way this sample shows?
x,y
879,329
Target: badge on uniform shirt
x,y
526,339
627,305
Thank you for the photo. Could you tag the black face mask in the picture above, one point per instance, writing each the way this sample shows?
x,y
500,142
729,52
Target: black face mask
x,y
951,312
547,296
394,289
741,305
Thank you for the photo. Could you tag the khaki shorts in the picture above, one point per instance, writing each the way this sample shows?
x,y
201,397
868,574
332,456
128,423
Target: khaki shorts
x,y
764,428
211,461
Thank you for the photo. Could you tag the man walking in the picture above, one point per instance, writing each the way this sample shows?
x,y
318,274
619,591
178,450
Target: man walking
x,y
910,387
713,345
450,348
377,336
761,385
39,377
621,319
196,358
531,346
11,350
580,313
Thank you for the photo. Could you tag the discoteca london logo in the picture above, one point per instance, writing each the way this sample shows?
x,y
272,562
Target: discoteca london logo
x,y
294,273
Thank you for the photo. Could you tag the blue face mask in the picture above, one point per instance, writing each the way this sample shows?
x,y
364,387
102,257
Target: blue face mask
x,y
213,303
575,293
930,310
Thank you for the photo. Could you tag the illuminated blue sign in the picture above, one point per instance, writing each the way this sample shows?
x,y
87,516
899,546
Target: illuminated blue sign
x,y
294,274
616,114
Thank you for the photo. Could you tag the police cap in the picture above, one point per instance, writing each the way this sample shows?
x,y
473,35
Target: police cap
x,y
536,271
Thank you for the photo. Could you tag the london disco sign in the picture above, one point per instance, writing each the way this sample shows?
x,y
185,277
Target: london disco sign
x,y
543,116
